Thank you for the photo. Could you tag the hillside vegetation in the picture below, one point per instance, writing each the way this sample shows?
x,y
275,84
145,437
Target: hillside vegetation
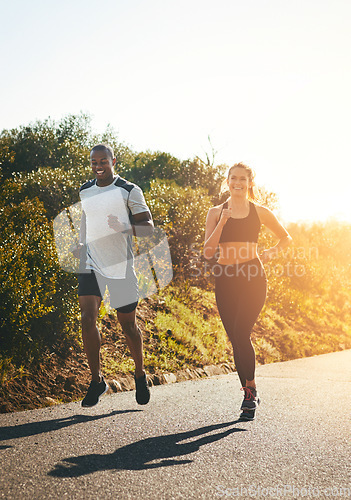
x,y
42,166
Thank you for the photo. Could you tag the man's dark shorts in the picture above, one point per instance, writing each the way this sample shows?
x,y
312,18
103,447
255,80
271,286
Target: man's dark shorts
x,y
124,293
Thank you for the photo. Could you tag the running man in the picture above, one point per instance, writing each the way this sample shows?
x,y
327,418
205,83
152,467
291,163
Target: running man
x,y
112,211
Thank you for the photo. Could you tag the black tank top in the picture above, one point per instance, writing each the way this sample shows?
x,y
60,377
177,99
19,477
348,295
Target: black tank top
x,y
245,229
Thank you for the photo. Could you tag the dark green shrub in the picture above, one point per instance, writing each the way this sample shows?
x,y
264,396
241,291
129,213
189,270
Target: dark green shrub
x,y
38,304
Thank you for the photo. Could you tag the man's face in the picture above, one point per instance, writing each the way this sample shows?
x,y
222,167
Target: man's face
x,y
102,166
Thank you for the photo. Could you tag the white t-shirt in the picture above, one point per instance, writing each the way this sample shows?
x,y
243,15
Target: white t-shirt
x,y
109,251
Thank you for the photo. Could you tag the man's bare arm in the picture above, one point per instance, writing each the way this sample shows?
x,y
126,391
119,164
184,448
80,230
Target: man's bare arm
x,y
141,225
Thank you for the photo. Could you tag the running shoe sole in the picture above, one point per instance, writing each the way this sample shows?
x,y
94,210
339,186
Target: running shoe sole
x,y
247,416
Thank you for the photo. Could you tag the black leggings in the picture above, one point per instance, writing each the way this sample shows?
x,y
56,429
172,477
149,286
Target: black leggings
x,y
240,296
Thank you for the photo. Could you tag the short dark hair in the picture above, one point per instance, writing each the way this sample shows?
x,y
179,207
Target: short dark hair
x,y
102,147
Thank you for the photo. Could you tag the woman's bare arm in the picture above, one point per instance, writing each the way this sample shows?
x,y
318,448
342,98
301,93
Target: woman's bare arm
x,y
216,218
268,218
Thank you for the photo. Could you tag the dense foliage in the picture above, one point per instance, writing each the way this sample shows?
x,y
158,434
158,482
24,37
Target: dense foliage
x,y
37,299
41,168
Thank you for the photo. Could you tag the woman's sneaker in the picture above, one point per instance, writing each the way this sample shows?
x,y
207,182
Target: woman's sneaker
x,y
95,390
251,399
247,415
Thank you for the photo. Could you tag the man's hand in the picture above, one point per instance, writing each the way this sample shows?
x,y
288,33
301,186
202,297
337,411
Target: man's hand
x,y
77,249
115,224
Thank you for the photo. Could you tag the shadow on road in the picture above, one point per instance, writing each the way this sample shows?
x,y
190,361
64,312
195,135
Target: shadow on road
x,y
33,428
137,456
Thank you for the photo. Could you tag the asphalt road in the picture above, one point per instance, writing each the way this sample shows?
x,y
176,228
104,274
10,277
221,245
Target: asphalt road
x,y
187,443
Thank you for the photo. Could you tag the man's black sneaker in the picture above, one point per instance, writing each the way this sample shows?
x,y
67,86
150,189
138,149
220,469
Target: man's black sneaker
x,y
251,399
247,415
95,390
142,394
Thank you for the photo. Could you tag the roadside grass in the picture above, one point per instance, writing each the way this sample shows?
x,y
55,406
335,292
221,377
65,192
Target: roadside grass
x,y
187,336
183,332
278,338
181,329
9,372
186,331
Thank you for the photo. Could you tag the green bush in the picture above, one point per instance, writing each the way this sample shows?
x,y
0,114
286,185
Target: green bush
x,y
38,306
55,188
181,212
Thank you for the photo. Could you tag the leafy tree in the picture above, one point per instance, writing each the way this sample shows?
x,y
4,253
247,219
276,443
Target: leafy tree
x,y
147,167
198,174
49,160
49,144
45,144
144,168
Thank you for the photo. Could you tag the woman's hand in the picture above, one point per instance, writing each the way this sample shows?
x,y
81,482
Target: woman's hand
x,y
269,254
225,215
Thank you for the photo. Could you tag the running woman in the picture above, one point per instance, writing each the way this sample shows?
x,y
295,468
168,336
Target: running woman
x,y
240,280
113,210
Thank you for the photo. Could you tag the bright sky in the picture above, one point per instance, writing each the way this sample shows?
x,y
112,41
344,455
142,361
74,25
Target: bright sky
x,y
268,80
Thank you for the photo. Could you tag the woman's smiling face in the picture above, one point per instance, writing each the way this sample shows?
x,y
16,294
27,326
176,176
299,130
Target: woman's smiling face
x,y
238,181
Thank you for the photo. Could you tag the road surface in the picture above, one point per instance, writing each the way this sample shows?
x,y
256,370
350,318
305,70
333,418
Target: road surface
x,y
188,444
